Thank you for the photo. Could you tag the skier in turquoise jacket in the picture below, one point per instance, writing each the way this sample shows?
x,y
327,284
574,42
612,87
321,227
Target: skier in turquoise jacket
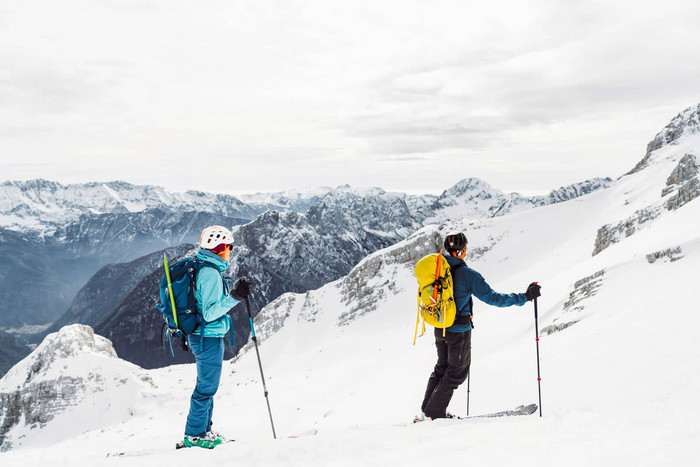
x,y
214,303
454,349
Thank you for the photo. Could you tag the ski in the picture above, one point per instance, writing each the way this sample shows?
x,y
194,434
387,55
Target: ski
x,y
138,452
302,434
146,452
520,410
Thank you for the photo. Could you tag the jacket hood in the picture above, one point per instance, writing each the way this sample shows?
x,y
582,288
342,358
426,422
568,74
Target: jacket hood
x,y
212,258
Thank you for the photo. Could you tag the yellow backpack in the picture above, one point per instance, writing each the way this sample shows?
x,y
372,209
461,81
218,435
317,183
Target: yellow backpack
x,y
436,304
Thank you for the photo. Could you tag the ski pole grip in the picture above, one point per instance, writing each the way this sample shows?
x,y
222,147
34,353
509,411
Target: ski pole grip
x,y
247,306
534,300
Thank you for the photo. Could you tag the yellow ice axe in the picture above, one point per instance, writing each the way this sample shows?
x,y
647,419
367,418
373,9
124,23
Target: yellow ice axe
x,y
170,288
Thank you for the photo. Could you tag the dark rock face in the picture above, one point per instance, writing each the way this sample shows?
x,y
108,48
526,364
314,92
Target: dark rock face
x,y
686,169
12,351
574,307
110,286
610,234
135,327
279,252
48,272
669,254
684,182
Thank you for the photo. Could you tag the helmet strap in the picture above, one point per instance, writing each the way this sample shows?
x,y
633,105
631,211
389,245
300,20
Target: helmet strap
x,y
223,250
225,254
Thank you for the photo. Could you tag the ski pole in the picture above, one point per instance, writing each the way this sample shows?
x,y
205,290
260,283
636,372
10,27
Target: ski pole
x,y
537,340
255,341
469,374
469,377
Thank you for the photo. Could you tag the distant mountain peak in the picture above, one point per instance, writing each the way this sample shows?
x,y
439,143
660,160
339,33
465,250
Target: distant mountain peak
x,y
685,123
471,184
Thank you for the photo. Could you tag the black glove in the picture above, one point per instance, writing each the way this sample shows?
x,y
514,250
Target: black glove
x,y
533,291
242,289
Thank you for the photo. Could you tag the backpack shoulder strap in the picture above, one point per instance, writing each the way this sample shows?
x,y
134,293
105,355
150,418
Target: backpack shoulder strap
x,y
470,303
198,265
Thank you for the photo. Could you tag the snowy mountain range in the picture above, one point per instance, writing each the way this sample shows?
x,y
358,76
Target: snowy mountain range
x,y
50,209
617,321
82,228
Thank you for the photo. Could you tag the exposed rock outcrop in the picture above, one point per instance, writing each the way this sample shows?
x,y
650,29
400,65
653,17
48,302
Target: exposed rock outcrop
x,y
67,367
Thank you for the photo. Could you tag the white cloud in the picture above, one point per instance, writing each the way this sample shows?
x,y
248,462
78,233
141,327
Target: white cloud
x,y
322,93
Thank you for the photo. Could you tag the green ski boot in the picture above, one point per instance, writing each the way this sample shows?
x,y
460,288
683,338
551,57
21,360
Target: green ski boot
x,y
209,441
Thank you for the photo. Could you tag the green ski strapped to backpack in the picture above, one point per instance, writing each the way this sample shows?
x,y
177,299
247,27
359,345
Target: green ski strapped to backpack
x,y
436,304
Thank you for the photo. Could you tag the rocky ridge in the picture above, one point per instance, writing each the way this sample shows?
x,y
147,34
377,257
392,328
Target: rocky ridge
x,y
673,147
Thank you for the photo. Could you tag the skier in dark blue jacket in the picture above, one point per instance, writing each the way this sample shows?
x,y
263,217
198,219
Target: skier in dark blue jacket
x,y
454,349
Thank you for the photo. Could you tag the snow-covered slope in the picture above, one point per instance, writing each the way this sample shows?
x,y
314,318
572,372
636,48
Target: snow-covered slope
x,y
618,349
72,383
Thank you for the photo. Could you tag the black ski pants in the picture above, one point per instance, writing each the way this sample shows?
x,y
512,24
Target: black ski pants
x,y
452,368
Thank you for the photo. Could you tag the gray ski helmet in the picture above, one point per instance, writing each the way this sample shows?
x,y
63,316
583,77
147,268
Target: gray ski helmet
x,y
455,241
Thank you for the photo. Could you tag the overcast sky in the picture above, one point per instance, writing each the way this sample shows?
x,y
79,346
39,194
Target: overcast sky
x,y
239,96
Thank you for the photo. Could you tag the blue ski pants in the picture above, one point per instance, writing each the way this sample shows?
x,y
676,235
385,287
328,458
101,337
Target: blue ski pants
x,y
209,354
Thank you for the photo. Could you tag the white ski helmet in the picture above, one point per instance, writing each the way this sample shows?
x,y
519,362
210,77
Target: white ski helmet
x,y
214,236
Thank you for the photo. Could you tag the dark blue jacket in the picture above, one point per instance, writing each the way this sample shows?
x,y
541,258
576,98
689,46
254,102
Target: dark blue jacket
x,y
468,282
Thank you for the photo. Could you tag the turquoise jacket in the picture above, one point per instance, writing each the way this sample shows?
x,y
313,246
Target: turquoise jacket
x,y
468,282
213,301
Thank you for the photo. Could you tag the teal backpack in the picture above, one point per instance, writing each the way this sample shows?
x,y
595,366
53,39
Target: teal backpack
x,y
177,300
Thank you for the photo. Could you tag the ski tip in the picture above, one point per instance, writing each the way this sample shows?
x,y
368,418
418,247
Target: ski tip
x,y
310,432
519,410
